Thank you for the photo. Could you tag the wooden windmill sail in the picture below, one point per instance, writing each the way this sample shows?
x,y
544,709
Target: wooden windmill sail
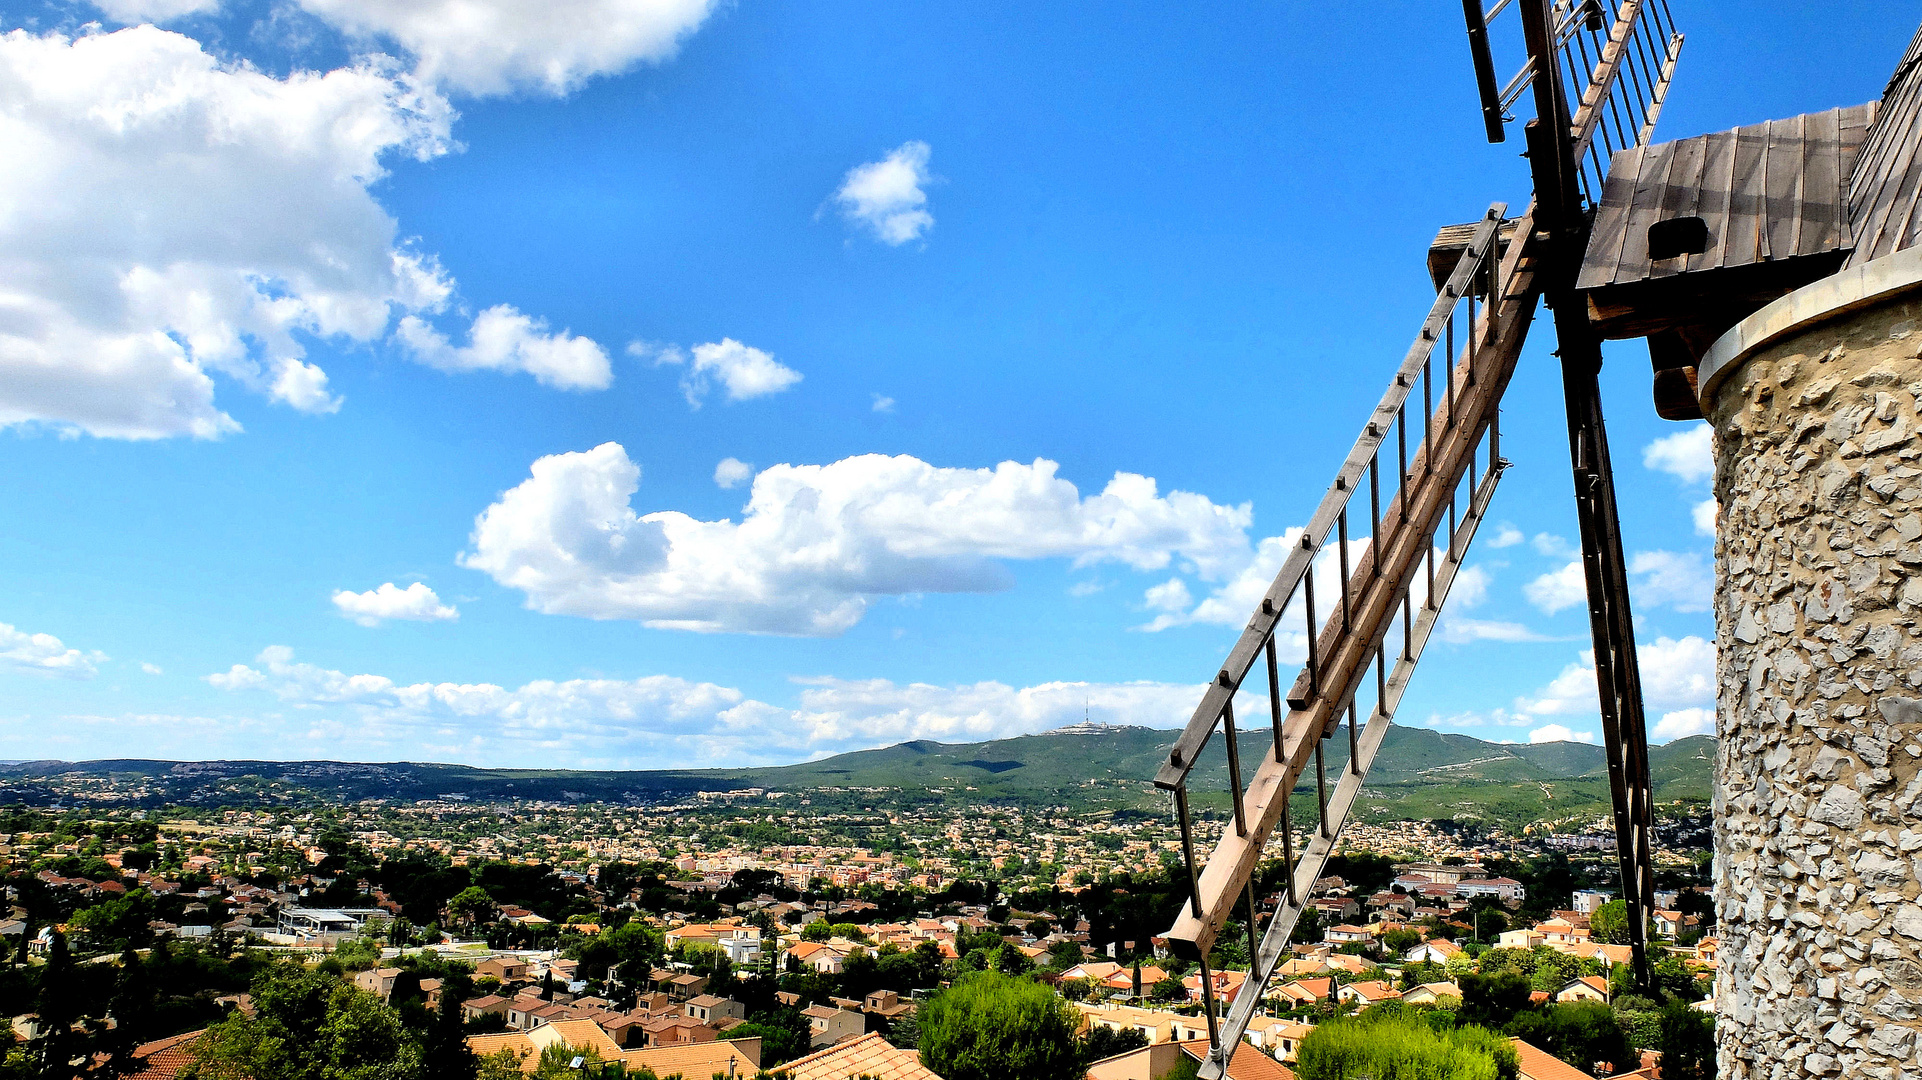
x,y
1365,584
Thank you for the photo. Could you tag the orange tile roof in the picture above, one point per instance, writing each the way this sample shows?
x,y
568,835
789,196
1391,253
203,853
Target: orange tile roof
x,y
163,1059
869,1055
1539,1064
692,1059
1247,1063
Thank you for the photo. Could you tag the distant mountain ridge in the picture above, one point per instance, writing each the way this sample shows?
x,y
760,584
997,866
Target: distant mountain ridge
x,y
1419,774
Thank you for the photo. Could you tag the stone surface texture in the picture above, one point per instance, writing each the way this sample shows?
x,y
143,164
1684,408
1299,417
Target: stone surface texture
x,y
1818,824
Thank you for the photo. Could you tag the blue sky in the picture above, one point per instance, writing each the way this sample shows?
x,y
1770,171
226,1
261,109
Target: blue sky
x,y
367,374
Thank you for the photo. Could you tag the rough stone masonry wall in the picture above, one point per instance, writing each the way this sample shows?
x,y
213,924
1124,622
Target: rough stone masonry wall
x,y
1818,825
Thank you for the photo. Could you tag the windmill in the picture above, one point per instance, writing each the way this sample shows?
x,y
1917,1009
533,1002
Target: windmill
x,y
1597,73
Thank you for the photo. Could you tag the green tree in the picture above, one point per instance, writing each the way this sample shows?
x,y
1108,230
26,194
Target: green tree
x,y
1100,1042
472,905
444,1051
1010,960
1687,1043
59,1005
989,1026
1609,923
1674,978
1400,941
1580,1033
118,923
1491,1001
308,1025
1397,1044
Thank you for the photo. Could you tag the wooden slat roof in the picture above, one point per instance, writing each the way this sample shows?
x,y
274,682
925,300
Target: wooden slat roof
x,y
1887,181
1766,192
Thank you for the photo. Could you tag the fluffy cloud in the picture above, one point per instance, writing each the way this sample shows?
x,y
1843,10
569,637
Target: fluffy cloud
x,y
1558,733
1677,675
45,653
1688,455
886,197
173,219
661,721
126,284
1682,723
1682,581
1241,589
732,473
1558,589
415,603
1506,535
1704,514
845,713
742,370
503,339
495,46
816,542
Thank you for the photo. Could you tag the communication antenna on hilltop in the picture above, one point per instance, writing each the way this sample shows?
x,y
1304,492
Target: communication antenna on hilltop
x,y
1597,73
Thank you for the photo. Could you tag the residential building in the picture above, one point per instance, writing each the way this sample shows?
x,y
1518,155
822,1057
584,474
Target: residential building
x,y
1587,900
378,981
1429,993
1584,988
1281,1038
827,1026
1153,1024
1347,934
819,955
1366,993
1508,890
1438,951
1153,1062
712,1010
505,968
491,1005
1520,939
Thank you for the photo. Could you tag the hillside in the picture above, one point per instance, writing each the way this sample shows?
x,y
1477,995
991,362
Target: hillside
x,y
1419,774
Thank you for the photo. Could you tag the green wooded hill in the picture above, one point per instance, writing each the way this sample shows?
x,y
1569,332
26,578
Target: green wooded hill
x,y
1419,775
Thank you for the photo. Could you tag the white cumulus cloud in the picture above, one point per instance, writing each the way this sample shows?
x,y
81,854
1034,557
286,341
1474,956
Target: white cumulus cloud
x,y
732,473
1681,580
170,218
46,654
172,221
1506,535
743,371
497,46
1558,733
663,721
1688,455
888,197
1704,514
1677,674
503,339
817,542
415,603
1682,723
1558,589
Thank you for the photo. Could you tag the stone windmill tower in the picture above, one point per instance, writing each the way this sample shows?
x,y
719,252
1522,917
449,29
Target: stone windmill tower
x,y
1776,273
